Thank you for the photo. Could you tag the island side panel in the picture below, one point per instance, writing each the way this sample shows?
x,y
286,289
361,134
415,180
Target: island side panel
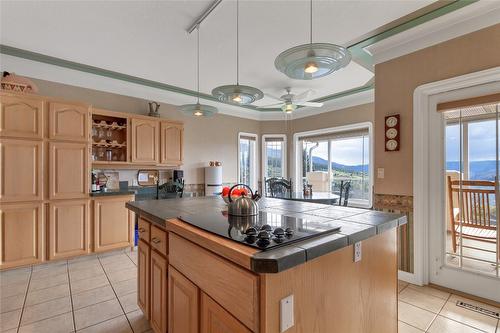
x,y
334,294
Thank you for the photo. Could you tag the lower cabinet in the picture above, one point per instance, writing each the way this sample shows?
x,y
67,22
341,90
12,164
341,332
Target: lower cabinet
x,y
215,319
158,292
113,223
143,258
183,298
68,228
21,234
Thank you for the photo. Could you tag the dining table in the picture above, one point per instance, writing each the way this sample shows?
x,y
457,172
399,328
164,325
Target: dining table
x,y
316,197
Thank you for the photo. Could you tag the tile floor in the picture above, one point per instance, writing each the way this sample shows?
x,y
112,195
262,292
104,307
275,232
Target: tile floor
x,y
97,293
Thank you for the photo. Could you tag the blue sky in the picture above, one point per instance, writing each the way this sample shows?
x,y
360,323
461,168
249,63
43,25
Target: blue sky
x,y
346,151
482,143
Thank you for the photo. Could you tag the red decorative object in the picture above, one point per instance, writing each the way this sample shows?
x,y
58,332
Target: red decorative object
x,y
392,135
13,82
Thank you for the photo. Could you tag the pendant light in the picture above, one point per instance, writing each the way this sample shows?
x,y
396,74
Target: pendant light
x,y
236,93
198,109
313,60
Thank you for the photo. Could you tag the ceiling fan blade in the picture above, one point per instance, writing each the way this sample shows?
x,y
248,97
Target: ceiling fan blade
x,y
273,97
304,96
311,104
270,105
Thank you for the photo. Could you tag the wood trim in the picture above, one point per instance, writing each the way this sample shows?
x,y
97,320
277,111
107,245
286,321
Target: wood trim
x,y
237,253
460,293
215,319
143,276
183,303
158,293
469,102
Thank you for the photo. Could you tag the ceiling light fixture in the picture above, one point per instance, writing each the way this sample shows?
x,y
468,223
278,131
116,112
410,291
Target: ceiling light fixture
x,y
313,60
236,93
198,109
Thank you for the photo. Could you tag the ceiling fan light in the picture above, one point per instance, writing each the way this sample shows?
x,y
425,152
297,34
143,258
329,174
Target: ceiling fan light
x,y
288,107
312,61
198,110
237,94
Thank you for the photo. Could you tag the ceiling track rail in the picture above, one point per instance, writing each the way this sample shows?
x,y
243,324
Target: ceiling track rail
x,y
203,16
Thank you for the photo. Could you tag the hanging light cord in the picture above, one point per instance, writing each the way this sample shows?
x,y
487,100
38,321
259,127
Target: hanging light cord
x,y
198,64
311,21
237,42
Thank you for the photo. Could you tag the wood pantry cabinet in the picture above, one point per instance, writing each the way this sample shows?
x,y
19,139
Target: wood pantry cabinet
x,y
68,228
158,292
21,234
113,223
21,117
145,140
215,319
69,122
143,257
20,170
183,298
171,144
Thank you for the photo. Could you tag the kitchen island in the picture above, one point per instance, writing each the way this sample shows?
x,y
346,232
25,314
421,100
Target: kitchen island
x,y
192,279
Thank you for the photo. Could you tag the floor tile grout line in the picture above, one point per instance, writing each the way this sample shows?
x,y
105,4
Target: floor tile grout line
x,y
83,328
411,325
461,323
39,320
71,297
123,310
24,302
437,314
406,302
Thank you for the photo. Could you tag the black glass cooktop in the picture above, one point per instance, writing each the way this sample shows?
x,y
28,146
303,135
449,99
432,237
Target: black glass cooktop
x,y
263,231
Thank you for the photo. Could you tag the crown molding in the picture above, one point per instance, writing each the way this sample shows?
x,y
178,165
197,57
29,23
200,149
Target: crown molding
x,y
473,17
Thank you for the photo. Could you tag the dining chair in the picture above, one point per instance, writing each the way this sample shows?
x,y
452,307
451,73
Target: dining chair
x,y
473,218
280,186
345,187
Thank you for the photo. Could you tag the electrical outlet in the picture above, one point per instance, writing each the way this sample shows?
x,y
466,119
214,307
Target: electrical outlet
x,y
357,251
286,313
380,173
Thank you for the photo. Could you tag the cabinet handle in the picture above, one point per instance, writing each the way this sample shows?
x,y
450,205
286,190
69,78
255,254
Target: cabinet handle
x,y
141,229
155,240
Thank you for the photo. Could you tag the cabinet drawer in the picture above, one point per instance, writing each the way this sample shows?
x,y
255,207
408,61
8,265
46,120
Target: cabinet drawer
x,y
144,230
234,288
159,240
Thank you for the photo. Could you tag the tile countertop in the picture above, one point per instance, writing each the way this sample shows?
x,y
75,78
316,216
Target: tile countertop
x,y
356,225
112,192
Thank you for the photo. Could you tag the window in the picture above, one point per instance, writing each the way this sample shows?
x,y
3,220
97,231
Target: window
x,y
274,155
328,158
247,159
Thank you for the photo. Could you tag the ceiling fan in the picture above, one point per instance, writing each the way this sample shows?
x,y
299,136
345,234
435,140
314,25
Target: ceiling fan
x,y
289,101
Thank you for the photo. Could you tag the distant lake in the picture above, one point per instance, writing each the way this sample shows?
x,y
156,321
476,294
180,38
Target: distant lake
x,y
478,170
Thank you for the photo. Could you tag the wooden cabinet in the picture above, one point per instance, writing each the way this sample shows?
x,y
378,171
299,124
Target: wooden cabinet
x,y
171,144
143,265
68,122
68,170
21,117
113,223
20,170
158,293
144,228
21,234
215,319
145,140
183,298
68,228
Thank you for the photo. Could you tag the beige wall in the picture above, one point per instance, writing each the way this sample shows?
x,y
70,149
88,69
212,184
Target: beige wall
x,y
205,139
395,82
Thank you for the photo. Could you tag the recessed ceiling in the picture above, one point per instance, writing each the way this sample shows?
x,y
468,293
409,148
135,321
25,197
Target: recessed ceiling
x,y
148,39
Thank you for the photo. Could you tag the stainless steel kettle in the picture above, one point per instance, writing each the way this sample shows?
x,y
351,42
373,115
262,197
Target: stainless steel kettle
x,y
243,206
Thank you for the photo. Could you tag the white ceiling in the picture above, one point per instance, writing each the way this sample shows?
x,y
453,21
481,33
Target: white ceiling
x,y
148,39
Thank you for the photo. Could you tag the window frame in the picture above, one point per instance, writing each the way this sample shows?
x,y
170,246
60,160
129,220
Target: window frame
x,y
284,154
255,163
297,153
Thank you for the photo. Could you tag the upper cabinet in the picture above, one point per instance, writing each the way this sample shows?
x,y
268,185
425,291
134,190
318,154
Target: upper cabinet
x,y
171,143
68,122
145,140
21,117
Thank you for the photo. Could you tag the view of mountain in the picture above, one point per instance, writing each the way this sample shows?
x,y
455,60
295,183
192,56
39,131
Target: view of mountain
x,y
322,164
479,170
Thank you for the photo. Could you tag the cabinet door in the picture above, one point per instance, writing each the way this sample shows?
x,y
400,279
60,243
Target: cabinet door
x,y
113,223
68,169
215,319
171,143
20,170
68,122
143,269
68,228
145,140
21,117
158,293
183,301
21,234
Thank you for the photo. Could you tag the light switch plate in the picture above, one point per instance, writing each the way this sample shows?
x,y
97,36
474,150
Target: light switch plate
x,y
380,173
357,251
286,313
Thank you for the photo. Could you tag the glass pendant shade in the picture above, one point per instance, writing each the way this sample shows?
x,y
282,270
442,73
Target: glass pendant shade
x,y
237,94
288,107
312,61
198,110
